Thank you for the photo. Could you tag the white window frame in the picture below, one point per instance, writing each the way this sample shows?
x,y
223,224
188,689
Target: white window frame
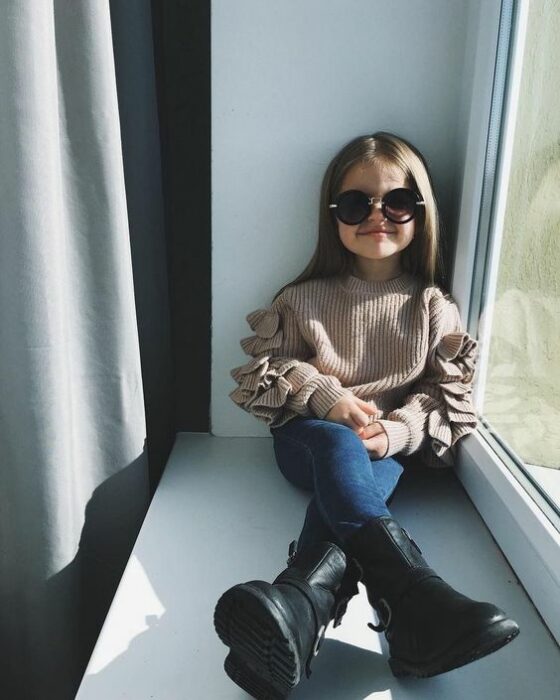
x,y
523,524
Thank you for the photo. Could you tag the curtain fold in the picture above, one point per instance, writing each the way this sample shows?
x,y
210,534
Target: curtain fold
x,y
73,465
131,24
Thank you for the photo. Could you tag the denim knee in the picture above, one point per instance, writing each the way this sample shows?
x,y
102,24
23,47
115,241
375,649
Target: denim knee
x,y
326,434
386,473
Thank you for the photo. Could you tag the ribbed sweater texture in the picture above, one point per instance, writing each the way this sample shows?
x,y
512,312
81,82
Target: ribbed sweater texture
x,y
397,344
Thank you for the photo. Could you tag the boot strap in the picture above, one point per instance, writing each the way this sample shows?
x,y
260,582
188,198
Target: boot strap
x,y
382,625
348,589
307,591
292,552
383,607
411,578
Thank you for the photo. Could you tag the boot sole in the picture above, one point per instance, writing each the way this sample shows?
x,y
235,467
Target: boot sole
x,y
263,659
466,650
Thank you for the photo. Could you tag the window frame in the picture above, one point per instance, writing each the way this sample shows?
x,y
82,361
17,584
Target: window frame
x,y
523,524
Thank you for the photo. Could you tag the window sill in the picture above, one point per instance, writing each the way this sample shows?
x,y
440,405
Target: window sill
x,y
223,513
522,523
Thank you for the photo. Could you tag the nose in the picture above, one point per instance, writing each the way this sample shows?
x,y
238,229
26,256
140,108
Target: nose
x,y
375,206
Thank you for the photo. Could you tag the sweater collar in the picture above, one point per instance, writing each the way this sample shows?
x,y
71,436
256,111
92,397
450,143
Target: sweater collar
x,y
355,285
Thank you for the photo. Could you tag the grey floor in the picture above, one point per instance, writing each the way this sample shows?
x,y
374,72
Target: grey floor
x,y
223,514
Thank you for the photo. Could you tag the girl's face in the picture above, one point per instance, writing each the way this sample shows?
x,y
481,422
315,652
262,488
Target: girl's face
x,y
376,242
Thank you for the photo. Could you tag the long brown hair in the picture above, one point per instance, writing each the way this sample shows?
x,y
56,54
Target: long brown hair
x,y
422,257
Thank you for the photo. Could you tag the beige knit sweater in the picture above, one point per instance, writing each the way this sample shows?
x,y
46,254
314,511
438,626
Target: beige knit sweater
x,y
397,344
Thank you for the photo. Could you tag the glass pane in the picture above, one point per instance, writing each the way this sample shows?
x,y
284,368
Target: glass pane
x,y
522,393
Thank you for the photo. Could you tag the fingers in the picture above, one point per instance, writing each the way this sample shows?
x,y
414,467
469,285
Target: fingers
x,y
359,418
365,406
363,414
358,429
352,412
372,430
362,411
376,445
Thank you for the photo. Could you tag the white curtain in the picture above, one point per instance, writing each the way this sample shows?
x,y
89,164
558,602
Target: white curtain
x,y
73,479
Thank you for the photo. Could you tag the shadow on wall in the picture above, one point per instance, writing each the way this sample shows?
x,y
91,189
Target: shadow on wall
x,y
67,611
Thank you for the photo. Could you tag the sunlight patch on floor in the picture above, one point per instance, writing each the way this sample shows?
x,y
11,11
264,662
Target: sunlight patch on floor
x,y
353,629
127,625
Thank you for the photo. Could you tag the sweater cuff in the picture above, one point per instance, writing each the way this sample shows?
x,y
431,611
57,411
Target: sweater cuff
x,y
398,434
329,390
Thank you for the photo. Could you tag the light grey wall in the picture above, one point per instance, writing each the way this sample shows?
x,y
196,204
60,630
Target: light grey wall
x,y
291,83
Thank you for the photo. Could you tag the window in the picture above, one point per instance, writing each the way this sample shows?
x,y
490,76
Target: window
x,y
511,466
519,388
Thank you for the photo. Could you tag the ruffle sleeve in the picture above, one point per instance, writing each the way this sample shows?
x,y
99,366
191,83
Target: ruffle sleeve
x,y
269,335
439,411
455,358
277,384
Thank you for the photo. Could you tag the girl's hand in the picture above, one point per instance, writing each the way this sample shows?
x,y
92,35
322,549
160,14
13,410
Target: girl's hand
x,y
375,440
353,412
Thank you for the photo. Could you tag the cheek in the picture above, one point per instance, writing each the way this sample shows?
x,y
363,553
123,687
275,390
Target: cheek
x,y
346,233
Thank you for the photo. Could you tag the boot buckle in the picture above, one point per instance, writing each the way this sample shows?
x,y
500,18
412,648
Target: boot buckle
x,y
315,650
292,552
407,533
319,640
382,624
348,589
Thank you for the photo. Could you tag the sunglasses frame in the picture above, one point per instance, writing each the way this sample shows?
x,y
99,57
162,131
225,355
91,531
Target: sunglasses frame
x,y
383,203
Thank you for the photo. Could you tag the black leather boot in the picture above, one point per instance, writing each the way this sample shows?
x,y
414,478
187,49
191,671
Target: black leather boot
x,y
275,630
430,627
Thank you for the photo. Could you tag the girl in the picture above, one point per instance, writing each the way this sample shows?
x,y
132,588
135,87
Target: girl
x,y
359,360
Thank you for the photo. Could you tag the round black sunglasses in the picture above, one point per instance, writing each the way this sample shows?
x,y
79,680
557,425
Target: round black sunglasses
x,y
399,206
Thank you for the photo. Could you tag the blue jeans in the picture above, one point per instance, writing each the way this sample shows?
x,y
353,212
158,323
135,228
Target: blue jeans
x,y
349,487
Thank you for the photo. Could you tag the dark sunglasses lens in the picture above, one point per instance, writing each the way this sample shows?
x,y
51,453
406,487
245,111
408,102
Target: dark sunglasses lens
x,y
352,207
400,205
